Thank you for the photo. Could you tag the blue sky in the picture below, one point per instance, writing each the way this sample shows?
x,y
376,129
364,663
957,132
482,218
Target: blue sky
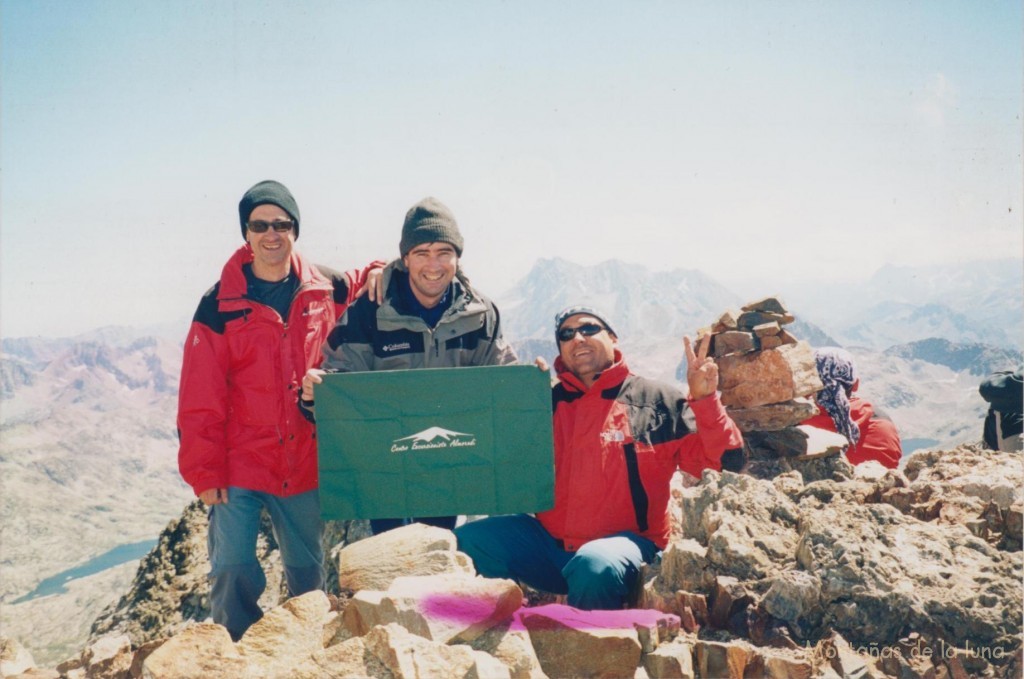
x,y
750,140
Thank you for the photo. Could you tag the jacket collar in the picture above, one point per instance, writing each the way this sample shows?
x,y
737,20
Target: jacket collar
x,y
613,376
232,278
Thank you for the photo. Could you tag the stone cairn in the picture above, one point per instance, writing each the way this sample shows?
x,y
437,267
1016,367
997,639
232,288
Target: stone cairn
x,y
768,379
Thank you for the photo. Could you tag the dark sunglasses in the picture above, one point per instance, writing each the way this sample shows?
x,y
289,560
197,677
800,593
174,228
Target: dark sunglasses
x,y
587,330
258,226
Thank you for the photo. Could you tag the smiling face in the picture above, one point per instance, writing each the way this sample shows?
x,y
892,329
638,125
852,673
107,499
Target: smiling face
x,y
271,250
431,270
587,357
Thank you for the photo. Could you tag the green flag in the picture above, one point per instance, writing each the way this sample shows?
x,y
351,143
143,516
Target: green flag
x,y
435,442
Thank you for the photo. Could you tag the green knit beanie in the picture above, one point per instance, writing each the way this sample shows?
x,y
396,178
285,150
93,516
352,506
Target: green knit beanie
x,y
272,193
429,221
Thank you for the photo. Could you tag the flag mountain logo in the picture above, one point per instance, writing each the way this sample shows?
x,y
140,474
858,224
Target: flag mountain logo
x,y
433,438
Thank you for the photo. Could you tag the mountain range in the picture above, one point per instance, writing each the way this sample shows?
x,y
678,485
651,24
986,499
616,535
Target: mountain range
x,y
88,448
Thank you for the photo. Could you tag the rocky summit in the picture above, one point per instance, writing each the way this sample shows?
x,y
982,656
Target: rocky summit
x,y
867,573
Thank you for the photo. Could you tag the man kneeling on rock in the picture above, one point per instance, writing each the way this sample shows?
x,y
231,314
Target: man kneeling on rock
x,y
618,440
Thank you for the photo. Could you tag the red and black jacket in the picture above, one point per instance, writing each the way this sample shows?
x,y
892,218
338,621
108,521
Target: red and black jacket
x,y
238,420
617,445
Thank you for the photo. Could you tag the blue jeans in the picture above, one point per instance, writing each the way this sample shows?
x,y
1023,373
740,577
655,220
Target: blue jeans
x,y
378,526
236,578
599,576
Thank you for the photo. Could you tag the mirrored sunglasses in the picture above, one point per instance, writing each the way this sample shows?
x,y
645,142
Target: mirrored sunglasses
x,y
587,330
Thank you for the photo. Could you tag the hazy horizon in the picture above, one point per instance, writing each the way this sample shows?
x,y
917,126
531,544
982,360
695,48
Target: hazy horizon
x,y
812,142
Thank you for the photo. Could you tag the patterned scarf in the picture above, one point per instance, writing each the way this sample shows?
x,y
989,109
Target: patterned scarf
x,y
835,367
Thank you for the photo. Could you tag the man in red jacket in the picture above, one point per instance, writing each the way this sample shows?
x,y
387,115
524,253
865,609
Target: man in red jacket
x,y
619,438
244,446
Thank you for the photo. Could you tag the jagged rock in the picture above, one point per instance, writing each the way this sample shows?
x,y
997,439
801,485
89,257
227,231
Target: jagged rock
x,y
201,650
571,642
841,657
751,319
771,376
985,474
670,661
409,656
724,660
774,416
725,322
979,489
513,648
771,305
14,658
748,526
140,655
284,640
729,598
787,337
349,659
445,608
882,572
795,596
772,341
732,342
766,330
684,564
779,665
416,549
108,658
801,441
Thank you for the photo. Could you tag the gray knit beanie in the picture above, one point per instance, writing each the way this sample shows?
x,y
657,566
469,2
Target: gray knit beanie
x,y
429,221
268,192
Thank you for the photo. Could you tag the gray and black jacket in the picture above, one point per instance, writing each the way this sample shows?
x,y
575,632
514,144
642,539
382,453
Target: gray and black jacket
x,y
385,337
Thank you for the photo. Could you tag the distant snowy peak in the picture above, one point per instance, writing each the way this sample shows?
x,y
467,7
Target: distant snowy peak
x,y
637,301
976,358
891,323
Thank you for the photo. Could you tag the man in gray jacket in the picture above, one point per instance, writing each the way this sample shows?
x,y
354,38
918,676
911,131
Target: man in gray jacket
x,y
431,317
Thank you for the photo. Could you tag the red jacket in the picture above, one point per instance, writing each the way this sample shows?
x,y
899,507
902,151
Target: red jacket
x,y
879,439
238,420
617,445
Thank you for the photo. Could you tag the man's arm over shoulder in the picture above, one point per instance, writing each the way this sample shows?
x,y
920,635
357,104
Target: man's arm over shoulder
x,y
202,399
349,346
348,284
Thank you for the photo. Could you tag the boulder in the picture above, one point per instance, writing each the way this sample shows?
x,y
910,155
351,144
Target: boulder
x,y
802,441
770,376
774,416
416,549
201,650
445,608
513,648
108,657
673,660
771,305
725,660
571,642
409,656
882,572
286,637
732,342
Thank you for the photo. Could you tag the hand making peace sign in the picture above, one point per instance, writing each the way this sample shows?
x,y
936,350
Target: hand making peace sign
x,y
701,371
